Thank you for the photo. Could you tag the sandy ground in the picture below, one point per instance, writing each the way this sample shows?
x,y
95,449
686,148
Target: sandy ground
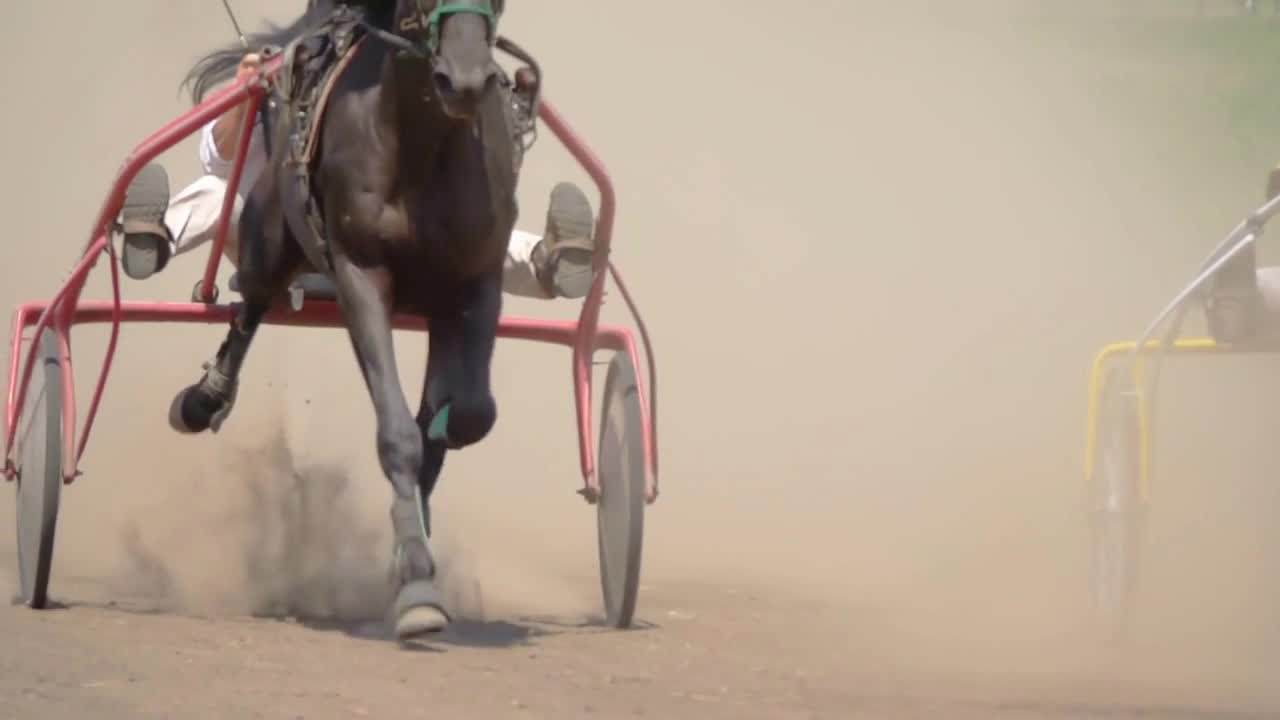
x,y
877,251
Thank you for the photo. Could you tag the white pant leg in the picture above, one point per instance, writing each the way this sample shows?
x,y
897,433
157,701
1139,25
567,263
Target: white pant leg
x,y
518,276
193,213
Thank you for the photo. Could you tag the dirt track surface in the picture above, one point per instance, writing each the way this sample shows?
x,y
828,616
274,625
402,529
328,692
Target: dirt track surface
x,y
877,251
120,663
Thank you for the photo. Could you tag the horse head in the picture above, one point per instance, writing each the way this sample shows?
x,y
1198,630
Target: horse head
x,y
456,38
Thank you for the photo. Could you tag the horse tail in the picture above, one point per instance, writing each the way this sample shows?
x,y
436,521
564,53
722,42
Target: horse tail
x,y
220,64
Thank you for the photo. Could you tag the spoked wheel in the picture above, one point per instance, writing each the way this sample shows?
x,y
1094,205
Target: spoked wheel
x,y
620,510
39,482
1116,509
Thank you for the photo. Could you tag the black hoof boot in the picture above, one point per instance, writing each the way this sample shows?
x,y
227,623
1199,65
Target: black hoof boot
x,y
203,406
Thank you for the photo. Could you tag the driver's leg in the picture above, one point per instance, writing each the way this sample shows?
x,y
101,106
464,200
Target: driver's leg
x,y
186,221
559,263
1234,303
1235,308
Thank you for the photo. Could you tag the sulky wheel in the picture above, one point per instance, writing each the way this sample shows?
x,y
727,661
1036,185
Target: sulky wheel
x,y
620,510
1115,506
39,480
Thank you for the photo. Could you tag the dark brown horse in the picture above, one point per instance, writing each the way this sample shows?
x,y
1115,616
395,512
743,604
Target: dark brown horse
x,y
415,180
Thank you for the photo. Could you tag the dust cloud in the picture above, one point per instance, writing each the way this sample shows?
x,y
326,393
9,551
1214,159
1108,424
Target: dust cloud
x,y
877,245
275,537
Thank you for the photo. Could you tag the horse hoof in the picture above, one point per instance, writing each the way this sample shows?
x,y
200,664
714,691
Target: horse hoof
x,y
192,412
420,620
419,610
179,418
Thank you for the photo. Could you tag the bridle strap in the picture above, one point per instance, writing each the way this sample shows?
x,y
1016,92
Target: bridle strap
x,y
395,41
434,19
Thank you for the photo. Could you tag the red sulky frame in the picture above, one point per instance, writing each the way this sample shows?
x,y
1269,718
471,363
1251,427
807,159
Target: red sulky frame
x,y
65,309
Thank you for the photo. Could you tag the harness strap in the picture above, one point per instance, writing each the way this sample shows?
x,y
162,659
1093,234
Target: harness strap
x,y
304,85
394,40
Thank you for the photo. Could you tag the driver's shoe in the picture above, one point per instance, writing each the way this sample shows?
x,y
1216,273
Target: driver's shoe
x,y
563,258
1234,315
147,241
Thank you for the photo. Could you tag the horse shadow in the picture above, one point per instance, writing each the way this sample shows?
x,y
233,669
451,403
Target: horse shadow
x,y
490,634
463,633
470,633
521,631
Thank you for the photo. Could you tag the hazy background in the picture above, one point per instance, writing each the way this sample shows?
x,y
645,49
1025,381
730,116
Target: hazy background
x,y
877,245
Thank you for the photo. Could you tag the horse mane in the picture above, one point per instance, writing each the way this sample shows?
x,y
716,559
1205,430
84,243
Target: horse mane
x,y
220,64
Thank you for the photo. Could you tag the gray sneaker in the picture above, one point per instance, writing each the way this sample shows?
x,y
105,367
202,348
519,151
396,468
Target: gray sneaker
x,y
147,241
563,258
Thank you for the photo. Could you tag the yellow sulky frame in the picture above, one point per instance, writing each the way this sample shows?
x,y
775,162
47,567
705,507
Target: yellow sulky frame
x,y
1149,345
1102,362
1119,504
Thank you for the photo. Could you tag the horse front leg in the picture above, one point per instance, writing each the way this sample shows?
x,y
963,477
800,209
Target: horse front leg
x,y
267,259
207,403
365,297
458,408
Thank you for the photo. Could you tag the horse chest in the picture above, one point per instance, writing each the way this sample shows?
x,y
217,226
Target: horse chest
x,y
453,222
425,228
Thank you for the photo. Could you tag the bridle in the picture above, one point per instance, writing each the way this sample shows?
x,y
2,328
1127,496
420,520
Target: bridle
x,y
433,19
418,33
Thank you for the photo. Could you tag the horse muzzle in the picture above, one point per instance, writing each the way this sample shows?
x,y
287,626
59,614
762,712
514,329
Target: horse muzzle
x,y
461,92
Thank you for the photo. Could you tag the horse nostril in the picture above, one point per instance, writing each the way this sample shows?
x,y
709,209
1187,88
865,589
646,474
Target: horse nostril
x,y
444,84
